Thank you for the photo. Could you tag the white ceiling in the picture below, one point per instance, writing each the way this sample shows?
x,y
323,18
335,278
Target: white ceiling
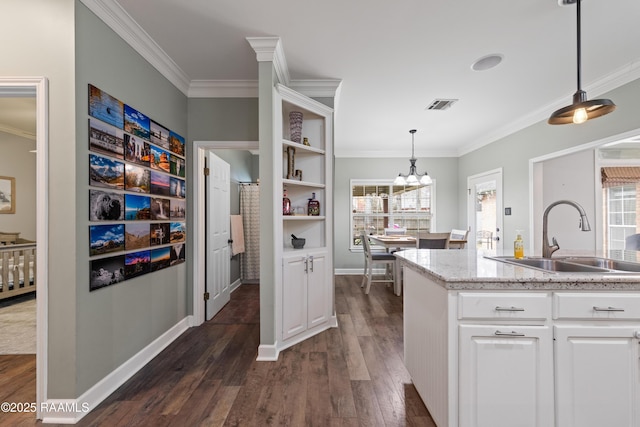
x,y
394,58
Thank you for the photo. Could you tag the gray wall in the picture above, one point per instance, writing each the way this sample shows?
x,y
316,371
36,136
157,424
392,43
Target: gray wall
x,y
514,151
16,161
443,170
116,322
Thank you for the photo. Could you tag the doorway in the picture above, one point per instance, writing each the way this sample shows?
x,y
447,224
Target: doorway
x,y
484,206
200,150
37,87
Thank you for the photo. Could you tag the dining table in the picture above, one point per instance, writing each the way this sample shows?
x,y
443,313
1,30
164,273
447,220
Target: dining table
x,y
398,243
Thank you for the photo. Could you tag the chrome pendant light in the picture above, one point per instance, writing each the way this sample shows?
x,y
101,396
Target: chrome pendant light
x,y
582,109
413,178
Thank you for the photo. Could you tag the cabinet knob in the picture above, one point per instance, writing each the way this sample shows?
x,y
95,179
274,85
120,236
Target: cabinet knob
x,y
637,334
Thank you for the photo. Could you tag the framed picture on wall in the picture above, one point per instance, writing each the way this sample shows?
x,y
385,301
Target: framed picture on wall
x,y
7,195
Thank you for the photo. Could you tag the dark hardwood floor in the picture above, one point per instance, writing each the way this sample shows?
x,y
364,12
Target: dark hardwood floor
x,y
352,375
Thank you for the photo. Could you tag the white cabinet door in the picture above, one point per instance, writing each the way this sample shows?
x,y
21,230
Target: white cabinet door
x,y
597,376
505,376
318,290
294,296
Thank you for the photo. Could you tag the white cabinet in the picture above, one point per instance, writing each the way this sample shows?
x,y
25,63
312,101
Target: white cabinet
x,y
505,376
596,350
306,299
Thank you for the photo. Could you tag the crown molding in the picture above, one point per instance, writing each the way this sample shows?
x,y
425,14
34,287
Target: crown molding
x,y
609,82
269,49
112,14
321,88
223,89
338,153
18,132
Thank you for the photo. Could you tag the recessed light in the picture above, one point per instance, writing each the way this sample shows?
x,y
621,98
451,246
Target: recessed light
x,y
487,62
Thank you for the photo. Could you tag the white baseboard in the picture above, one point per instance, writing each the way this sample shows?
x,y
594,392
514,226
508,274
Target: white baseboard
x,y
70,411
235,285
267,353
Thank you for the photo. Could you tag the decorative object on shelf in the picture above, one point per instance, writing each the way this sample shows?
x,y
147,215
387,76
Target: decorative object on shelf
x,y
581,109
313,206
292,172
286,204
297,242
305,141
7,195
413,178
295,126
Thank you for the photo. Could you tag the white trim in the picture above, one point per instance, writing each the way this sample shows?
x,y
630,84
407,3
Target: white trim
x,y
328,88
114,16
499,204
347,153
268,353
106,386
39,87
269,49
235,285
197,237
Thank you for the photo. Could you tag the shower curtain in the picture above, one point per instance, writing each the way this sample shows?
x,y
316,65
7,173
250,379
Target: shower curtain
x,y
250,211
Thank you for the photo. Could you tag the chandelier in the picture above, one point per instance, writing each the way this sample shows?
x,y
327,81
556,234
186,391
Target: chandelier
x,y
413,178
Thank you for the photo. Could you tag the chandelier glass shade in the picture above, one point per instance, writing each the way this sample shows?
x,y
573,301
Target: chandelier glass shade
x,y
413,177
582,109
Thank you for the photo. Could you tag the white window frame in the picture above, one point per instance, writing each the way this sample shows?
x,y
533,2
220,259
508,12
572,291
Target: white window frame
x,y
383,182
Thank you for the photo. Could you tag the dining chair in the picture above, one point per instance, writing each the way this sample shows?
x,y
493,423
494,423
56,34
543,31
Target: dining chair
x,y
371,258
458,235
433,240
632,242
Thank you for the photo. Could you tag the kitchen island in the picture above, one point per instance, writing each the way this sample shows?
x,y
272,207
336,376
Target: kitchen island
x,y
492,344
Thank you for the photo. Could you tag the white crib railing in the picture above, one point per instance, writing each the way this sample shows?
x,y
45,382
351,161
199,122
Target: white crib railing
x,y
17,269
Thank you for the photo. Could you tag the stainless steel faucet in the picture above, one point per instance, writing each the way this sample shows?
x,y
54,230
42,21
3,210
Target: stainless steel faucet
x,y
548,250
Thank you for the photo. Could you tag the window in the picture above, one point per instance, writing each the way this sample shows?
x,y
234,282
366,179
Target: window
x,y
378,204
621,214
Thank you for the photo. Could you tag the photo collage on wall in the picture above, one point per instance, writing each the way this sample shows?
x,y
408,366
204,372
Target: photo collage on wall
x,y
137,195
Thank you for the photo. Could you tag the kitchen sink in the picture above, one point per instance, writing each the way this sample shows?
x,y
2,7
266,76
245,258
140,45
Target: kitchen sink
x,y
574,264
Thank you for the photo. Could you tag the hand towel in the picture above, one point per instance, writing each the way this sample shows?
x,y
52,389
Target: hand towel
x,y
237,235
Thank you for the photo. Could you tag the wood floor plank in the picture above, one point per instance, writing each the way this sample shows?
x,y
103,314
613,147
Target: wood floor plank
x,y
348,376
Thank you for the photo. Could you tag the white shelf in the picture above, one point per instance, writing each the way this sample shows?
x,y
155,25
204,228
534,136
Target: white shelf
x,y
301,148
302,183
303,217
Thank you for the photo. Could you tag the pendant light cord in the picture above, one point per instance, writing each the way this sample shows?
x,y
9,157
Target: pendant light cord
x,y
579,55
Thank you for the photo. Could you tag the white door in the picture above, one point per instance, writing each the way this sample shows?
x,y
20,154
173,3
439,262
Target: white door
x,y
505,376
217,230
485,210
597,376
294,295
318,291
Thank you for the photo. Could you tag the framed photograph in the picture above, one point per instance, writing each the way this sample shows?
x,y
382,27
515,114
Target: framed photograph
x,y
105,206
160,234
177,166
178,209
159,135
160,159
176,143
160,258
177,254
136,235
136,123
105,107
136,150
178,232
137,179
160,208
104,172
178,188
136,264
137,208
160,184
106,272
104,239
7,195
106,139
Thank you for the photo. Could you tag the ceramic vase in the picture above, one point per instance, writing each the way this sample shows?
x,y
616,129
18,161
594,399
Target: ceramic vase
x,y
295,126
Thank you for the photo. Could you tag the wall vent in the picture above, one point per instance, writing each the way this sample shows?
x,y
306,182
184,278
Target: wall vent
x,y
441,104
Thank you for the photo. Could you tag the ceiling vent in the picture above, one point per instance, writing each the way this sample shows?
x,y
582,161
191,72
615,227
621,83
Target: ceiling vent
x,y
441,104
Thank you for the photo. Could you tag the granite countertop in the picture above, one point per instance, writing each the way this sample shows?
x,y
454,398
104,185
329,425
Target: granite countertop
x,y
469,269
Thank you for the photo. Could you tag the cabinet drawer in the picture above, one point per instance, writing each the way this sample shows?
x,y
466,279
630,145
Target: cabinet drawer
x,y
507,306
593,306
